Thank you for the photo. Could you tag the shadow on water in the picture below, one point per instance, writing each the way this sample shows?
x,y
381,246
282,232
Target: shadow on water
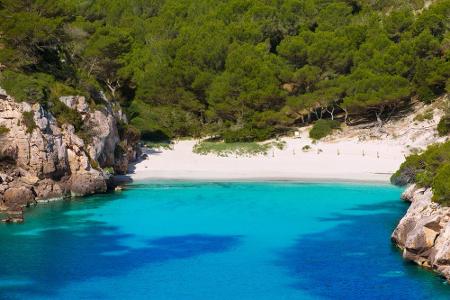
x,y
356,260
47,260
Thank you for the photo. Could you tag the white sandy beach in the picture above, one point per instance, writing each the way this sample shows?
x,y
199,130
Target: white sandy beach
x,y
368,155
290,163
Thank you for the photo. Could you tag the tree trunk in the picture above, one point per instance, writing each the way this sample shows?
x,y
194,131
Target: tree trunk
x,y
331,112
380,122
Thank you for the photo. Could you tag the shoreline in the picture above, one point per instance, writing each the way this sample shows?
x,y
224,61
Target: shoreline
x,y
229,178
260,180
343,160
364,155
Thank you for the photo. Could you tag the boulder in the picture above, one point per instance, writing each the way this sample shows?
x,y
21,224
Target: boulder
x,y
18,197
48,189
83,184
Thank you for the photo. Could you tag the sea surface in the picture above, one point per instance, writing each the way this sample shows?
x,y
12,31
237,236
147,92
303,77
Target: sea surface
x,y
196,240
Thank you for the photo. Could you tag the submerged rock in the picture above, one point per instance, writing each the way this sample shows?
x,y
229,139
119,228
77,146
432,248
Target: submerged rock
x,y
424,232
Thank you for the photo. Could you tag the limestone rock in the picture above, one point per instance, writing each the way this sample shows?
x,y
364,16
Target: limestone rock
x,y
424,232
18,197
48,189
53,161
77,103
87,184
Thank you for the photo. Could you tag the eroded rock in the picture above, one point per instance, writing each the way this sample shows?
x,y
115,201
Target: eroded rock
x,y
53,161
424,232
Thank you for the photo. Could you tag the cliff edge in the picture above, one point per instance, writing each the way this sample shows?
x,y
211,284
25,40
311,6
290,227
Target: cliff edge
x,y
42,159
424,232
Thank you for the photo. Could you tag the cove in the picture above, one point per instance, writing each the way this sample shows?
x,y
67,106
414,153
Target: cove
x,y
223,240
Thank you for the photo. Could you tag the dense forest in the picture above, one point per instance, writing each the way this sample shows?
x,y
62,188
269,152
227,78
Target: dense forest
x,y
241,69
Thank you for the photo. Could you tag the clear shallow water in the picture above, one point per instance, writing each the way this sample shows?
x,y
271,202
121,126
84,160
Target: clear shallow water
x,y
215,241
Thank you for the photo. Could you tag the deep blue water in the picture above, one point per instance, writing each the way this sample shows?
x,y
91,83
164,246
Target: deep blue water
x,y
215,241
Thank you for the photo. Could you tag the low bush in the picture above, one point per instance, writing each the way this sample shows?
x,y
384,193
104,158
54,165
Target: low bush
x,y
128,132
26,88
428,169
28,121
441,185
66,115
427,115
121,149
3,130
226,149
443,127
323,128
247,134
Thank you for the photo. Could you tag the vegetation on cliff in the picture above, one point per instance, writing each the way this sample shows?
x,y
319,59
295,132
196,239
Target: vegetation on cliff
x,y
245,70
428,169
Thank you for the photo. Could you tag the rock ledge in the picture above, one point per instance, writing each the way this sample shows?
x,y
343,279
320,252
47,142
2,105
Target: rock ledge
x,y
424,232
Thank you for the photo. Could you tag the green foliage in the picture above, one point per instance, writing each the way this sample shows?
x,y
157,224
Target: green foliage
x,y
28,121
247,134
427,115
24,87
3,130
441,185
443,127
429,169
322,128
227,149
166,145
109,171
245,69
121,149
128,132
66,115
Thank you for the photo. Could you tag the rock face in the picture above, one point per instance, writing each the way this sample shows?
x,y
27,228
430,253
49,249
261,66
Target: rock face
x,y
424,232
47,161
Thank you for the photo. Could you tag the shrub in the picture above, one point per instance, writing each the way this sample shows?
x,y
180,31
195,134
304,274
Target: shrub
x,y
306,148
322,128
429,169
247,134
3,130
28,121
408,170
108,170
25,88
441,185
425,94
94,164
66,115
225,149
427,115
121,149
128,132
443,127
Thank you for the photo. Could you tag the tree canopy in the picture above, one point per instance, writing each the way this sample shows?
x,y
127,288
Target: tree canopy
x,y
243,69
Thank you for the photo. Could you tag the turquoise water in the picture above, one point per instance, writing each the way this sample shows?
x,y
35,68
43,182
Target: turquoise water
x,y
215,241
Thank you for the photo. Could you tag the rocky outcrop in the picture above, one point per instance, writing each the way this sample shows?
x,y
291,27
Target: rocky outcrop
x,y
41,160
423,233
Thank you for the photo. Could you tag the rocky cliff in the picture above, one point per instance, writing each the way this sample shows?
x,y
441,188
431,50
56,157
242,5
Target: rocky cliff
x,y
41,159
424,232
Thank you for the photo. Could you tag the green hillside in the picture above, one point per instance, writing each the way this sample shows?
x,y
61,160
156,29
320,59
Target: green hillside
x,y
244,69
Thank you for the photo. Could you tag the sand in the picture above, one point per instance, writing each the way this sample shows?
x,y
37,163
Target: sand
x,y
343,161
365,155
